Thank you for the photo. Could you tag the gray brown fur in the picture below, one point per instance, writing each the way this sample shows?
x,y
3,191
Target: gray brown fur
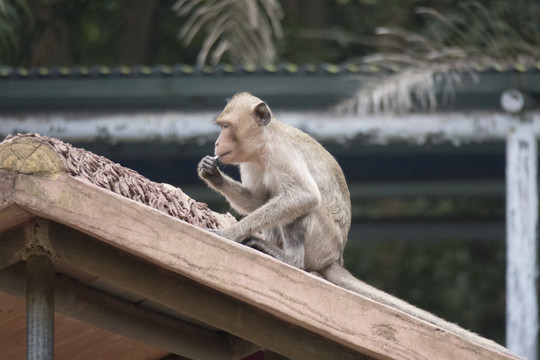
x,y
289,201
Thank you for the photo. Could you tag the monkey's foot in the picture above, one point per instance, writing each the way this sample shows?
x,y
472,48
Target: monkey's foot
x,y
257,244
271,250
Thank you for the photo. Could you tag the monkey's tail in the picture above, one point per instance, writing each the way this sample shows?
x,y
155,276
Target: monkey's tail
x,y
338,275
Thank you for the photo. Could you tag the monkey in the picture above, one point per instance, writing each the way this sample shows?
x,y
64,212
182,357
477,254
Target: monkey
x,y
294,198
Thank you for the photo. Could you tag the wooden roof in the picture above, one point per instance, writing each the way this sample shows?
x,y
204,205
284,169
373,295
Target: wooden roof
x,y
134,270
74,339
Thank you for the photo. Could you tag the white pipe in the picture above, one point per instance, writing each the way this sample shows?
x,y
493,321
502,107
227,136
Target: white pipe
x,y
184,127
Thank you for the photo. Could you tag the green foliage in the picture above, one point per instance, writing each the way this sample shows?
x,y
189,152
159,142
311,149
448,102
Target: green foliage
x,y
304,31
473,35
94,28
428,208
495,30
244,30
12,13
340,30
460,281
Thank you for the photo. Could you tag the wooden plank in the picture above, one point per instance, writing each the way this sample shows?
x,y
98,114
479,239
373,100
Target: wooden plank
x,y
287,293
11,247
11,215
192,299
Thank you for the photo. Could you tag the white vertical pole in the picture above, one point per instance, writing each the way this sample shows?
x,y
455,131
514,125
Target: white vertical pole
x,y
521,237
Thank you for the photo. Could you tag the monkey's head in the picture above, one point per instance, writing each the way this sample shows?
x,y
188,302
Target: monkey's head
x,y
242,126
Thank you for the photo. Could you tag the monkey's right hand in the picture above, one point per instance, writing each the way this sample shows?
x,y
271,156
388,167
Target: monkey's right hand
x,y
209,171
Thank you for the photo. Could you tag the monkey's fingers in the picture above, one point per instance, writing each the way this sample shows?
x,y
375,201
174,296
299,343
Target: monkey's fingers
x,y
210,160
209,166
208,170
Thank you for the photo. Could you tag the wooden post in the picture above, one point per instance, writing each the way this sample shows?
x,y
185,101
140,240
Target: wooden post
x,y
39,292
521,231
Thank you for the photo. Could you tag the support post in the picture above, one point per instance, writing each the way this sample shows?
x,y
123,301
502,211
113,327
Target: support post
x,y
40,307
521,231
39,293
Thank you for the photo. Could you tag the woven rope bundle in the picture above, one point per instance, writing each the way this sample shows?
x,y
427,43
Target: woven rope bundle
x,y
106,174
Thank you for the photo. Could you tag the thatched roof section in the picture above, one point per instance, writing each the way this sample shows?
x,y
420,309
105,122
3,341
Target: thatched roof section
x,y
106,174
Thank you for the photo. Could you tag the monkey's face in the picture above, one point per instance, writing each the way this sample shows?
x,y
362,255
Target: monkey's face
x,y
237,141
226,143
242,124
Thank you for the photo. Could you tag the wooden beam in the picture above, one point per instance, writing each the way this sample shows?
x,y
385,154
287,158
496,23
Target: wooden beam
x,y
11,215
99,309
288,296
191,299
31,156
11,247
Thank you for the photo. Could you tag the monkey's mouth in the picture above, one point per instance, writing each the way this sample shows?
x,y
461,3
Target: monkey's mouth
x,y
224,154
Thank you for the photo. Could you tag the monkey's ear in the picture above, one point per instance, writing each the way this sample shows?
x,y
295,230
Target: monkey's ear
x,y
263,115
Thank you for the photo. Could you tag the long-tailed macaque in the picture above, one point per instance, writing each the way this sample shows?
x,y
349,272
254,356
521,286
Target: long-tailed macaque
x,y
294,193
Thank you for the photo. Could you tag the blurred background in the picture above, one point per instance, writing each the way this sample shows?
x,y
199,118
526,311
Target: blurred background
x,y
428,212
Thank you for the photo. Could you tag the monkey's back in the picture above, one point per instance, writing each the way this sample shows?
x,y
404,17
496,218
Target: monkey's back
x,y
324,169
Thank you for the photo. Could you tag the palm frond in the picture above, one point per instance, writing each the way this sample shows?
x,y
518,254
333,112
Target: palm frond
x,y
12,13
423,69
244,30
413,88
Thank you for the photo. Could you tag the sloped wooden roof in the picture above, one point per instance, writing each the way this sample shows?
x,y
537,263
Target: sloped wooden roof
x,y
129,260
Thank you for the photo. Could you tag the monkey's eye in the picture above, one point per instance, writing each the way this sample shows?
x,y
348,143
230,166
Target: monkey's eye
x,y
224,125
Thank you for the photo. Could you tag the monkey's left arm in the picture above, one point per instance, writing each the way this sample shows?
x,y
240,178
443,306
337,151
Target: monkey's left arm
x,y
241,198
282,209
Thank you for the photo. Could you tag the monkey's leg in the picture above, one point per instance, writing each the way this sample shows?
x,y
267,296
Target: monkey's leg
x,y
272,250
292,240
267,248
